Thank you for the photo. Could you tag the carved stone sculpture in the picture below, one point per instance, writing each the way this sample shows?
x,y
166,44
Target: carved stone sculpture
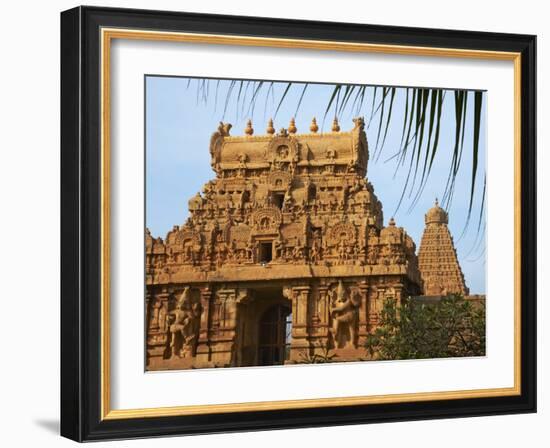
x,y
344,314
184,329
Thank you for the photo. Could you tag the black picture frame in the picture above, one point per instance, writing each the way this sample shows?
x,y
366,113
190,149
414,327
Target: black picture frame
x,y
81,224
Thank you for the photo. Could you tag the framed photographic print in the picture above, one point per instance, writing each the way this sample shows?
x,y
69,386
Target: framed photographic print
x,y
275,224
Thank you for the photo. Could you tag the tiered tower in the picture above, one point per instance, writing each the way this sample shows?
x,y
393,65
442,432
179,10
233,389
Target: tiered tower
x,y
439,268
288,233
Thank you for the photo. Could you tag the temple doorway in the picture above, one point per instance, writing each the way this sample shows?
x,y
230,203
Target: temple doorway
x,y
275,330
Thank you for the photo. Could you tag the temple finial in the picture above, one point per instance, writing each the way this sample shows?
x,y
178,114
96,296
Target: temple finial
x,y
292,126
249,130
270,129
313,127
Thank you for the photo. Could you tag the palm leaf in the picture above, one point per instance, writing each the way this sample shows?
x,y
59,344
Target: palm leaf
x,y
228,97
387,121
372,105
383,102
332,97
347,94
413,106
216,95
435,117
269,90
459,102
252,103
437,128
425,96
478,101
433,105
361,99
405,118
288,86
301,98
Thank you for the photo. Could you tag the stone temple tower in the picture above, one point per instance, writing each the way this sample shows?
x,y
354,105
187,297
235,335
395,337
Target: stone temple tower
x,y
439,268
284,255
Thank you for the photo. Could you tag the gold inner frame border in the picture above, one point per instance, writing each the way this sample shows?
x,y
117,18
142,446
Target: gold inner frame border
x,y
107,35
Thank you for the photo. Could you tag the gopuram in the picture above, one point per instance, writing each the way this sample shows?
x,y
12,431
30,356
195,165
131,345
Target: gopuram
x,y
285,256
439,268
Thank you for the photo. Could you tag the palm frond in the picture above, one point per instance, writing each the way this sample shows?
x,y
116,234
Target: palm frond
x,y
228,96
392,97
288,86
372,105
301,98
478,102
332,98
252,103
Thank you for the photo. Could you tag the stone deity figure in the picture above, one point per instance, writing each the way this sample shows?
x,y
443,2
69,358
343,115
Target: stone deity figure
x,y
220,254
187,254
278,247
231,251
250,250
314,253
162,318
208,190
344,314
287,200
156,311
185,325
356,187
298,251
343,250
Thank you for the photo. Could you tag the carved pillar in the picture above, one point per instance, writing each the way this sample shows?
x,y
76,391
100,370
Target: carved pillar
x,y
222,346
364,325
203,346
300,341
320,319
206,295
400,291
399,294
148,305
157,336
239,348
323,306
375,303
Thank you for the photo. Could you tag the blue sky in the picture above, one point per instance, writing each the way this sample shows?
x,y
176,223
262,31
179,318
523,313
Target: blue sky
x,y
182,114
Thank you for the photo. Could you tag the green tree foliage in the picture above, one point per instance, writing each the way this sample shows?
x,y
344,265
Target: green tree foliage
x,y
451,327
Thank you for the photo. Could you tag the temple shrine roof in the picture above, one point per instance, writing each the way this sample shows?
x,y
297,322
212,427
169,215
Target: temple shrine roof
x,y
287,145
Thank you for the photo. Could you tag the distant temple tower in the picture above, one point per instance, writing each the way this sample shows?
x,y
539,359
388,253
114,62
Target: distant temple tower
x,y
439,268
